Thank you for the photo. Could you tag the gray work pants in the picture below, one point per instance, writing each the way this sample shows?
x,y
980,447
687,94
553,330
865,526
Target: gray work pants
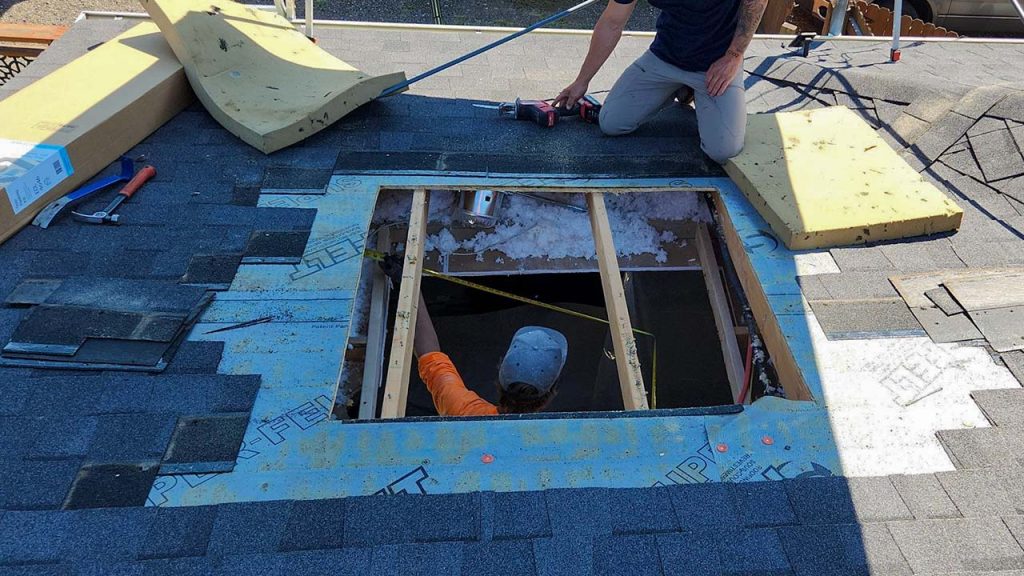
x,y
650,83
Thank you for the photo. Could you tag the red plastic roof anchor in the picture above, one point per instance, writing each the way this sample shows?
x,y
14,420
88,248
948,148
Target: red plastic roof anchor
x,y
487,458
723,448
767,440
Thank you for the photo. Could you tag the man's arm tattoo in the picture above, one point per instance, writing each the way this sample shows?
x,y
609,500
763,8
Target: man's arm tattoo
x,y
750,16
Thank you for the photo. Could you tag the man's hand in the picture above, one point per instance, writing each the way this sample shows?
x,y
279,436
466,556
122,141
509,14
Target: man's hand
x,y
721,73
571,95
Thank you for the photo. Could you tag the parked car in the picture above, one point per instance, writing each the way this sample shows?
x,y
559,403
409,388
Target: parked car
x,y
969,17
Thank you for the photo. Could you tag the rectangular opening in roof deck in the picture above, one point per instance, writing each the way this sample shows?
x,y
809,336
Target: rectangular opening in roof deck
x,y
475,328
646,256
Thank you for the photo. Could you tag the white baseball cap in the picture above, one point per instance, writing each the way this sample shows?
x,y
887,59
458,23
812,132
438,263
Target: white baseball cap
x,y
535,357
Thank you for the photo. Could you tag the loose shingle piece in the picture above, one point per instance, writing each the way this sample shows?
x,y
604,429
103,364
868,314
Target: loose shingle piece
x,y
1003,328
1004,407
865,319
111,485
943,328
1014,361
201,445
942,298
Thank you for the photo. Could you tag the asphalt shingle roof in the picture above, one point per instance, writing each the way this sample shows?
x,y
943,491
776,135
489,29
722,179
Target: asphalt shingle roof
x,y
198,219
385,534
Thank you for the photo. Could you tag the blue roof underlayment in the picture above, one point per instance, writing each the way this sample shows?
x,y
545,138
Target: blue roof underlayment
x,y
292,450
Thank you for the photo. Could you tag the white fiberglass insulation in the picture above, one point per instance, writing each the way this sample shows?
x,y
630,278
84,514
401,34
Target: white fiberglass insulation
x,y
531,228
528,227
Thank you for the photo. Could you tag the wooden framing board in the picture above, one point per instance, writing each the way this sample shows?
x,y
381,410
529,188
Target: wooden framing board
x,y
720,308
631,380
30,33
20,51
1002,291
680,255
911,287
785,363
546,189
396,389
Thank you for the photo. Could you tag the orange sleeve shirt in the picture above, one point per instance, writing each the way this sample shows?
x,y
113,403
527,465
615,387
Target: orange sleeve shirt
x,y
451,397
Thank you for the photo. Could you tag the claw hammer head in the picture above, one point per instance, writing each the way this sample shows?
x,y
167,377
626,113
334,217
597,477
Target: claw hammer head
x,y
100,217
107,216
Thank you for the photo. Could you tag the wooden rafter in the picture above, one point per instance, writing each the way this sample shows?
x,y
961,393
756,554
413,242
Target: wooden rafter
x,y
396,389
631,380
571,189
720,309
790,375
376,333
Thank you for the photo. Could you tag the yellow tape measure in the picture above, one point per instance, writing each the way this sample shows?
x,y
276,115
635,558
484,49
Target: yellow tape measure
x,y
379,256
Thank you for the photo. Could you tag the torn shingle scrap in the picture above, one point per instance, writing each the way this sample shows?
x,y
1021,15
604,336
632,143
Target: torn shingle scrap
x,y
203,445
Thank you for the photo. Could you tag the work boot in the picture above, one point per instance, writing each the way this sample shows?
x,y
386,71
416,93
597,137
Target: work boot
x,y
684,96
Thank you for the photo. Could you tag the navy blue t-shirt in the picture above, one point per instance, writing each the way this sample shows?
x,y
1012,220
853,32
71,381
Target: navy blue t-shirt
x,y
692,34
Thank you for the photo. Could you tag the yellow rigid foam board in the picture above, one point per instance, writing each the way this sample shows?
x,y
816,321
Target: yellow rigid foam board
x,y
824,178
257,75
64,128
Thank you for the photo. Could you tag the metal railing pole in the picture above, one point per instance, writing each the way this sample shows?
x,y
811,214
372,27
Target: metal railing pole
x,y
897,25
1019,8
435,8
835,27
309,18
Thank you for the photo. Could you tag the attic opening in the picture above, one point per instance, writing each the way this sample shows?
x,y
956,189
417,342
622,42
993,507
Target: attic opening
x,y
633,280
475,328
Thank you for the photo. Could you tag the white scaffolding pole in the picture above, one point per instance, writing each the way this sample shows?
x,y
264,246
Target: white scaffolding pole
x,y
835,27
1019,7
309,18
897,17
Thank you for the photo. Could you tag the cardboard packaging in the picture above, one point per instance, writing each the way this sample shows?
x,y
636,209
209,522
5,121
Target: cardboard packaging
x,y
61,130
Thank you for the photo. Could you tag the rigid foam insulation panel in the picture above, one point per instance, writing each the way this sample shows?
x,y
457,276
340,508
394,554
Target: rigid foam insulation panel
x,y
64,128
257,75
824,178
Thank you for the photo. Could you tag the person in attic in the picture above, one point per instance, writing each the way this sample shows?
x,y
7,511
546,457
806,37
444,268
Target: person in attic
x,y
527,379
